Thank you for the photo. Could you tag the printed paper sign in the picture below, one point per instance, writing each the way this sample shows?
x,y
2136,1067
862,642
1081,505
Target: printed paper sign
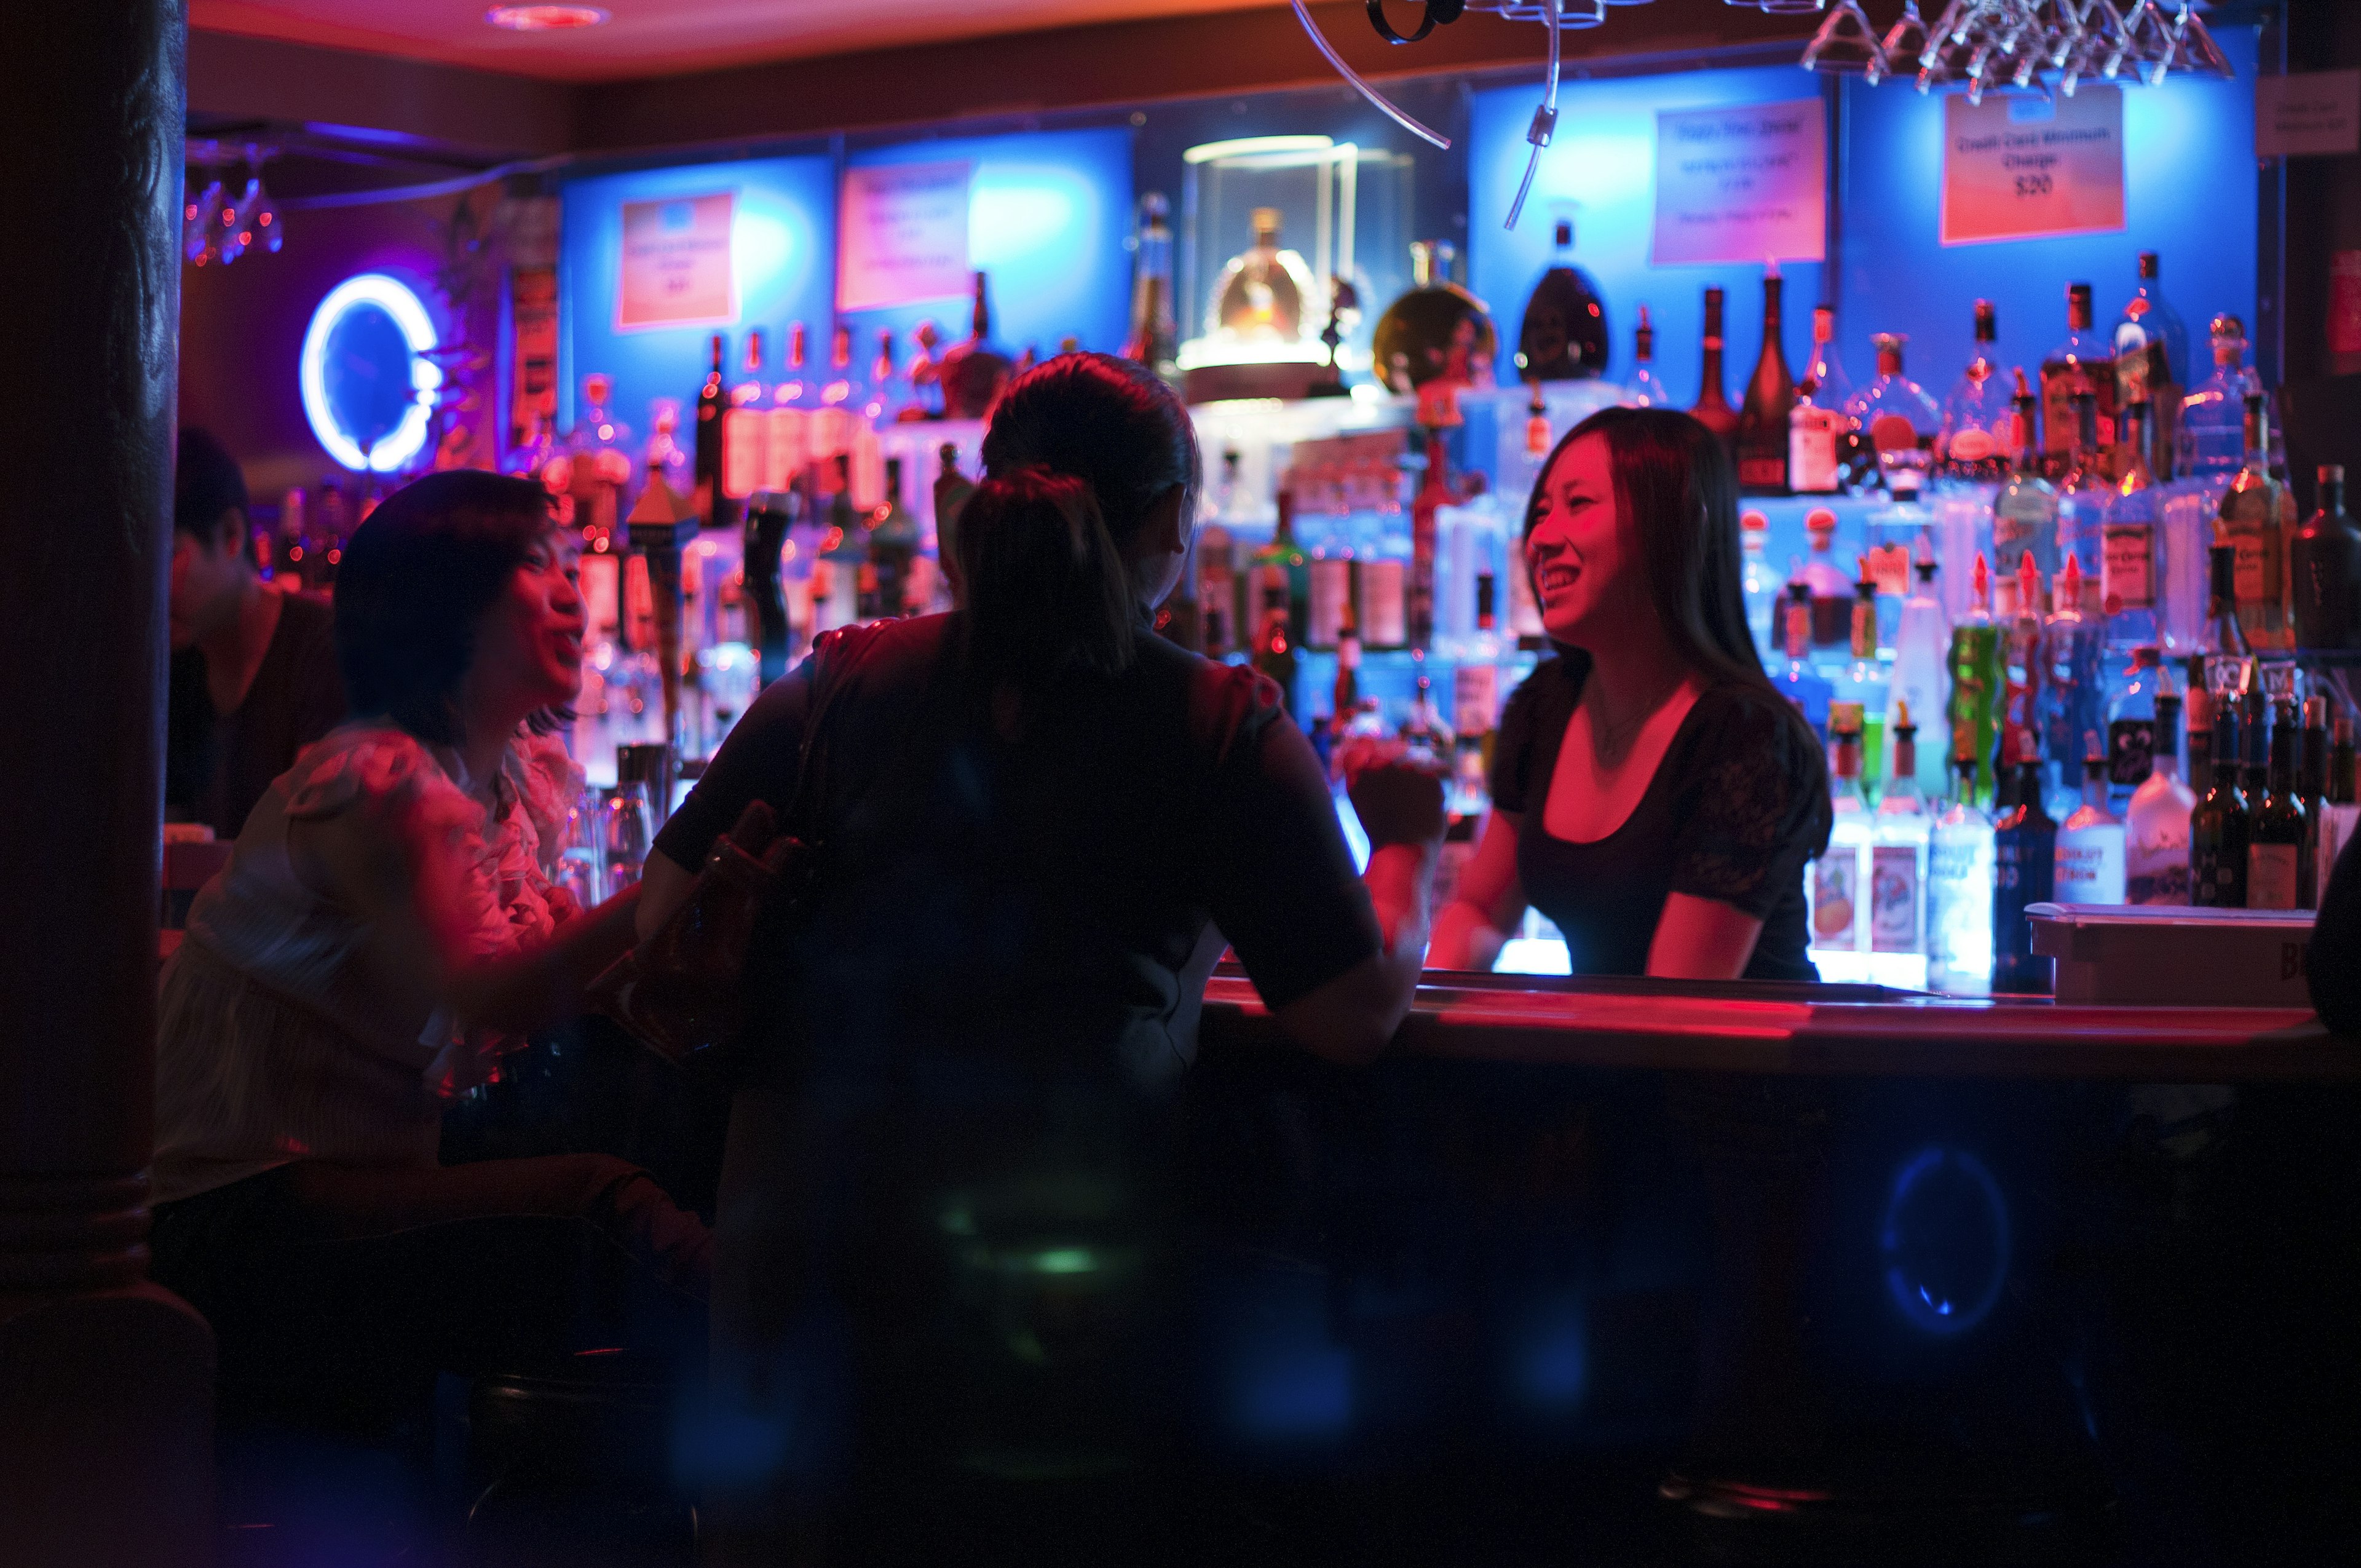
x,y
1746,183
903,238
2344,302
2014,170
2317,112
677,263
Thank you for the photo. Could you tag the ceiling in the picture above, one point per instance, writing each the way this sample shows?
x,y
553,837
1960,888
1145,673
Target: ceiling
x,y
659,37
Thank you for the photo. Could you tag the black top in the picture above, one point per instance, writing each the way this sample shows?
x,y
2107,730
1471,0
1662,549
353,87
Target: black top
x,y
2334,965
1044,899
1736,808
217,765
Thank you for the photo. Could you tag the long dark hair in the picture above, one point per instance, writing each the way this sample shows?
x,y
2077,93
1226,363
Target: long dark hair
x,y
1672,476
1047,584
430,560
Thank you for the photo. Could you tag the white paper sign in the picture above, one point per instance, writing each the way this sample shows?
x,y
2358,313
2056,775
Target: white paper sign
x,y
1745,183
2014,168
903,235
2318,112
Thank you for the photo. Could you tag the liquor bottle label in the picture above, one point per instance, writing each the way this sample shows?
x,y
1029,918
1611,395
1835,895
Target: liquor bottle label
x,y
1812,450
2020,515
2128,566
1332,590
2217,878
2257,571
2131,751
1894,898
1385,622
2089,868
1889,569
2157,874
745,446
1474,697
1833,894
2271,876
1763,471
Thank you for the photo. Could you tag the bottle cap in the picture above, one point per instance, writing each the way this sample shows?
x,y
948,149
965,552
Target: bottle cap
x,y
1820,520
2332,473
1754,521
1845,718
2315,713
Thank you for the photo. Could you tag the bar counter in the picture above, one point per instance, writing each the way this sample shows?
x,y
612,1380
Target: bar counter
x,y
1841,1030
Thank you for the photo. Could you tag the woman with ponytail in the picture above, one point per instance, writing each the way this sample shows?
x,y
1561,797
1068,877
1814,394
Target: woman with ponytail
x,y
1042,824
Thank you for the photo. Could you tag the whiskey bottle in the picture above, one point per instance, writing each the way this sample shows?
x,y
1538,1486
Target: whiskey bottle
x,y
1762,431
1712,407
1154,338
2082,362
2256,518
2324,567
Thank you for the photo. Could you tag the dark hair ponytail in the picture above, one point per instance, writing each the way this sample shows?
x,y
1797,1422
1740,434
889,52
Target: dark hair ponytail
x,y
1081,451
1047,588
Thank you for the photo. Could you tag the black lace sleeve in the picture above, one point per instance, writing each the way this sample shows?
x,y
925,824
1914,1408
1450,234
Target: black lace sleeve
x,y
1753,801
1529,726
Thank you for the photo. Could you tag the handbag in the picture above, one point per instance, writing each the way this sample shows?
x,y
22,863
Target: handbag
x,y
682,991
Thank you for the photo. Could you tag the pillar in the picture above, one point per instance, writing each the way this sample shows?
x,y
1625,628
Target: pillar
x,y
105,1381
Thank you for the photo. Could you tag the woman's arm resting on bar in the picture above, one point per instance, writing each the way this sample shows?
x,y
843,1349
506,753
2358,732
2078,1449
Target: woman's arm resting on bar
x,y
1702,939
1471,929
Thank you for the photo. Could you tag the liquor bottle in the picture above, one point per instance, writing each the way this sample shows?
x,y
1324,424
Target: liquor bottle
x,y
2311,789
2017,612
1154,340
2086,494
951,491
1898,847
1840,916
1266,292
712,402
2073,695
893,545
1921,641
1218,615
745,430
1282,563
2025,860
972,373
1898,418
2276,826
1973,443
2344,789
1564,335
1800,682
1979,682
1762,435
2257,519
2223,652
1816,423
1961,872
1329,549
2156,824
1831,589
1862,682
1827,371
1643,391
792,391
1345,697
2324,567
1274,644
2024,512
1757,584
2151,357
2199,768
1435,491
885,382
2089,868
2217,829
2133,692
1712,407
1440,332
2082,362
2211,438
2132,545
843,557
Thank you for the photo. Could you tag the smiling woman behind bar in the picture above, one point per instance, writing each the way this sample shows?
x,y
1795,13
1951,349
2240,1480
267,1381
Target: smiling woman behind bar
x,y
1653,793
947,1176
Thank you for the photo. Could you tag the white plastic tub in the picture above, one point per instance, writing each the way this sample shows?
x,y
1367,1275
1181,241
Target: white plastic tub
x,y
2172,956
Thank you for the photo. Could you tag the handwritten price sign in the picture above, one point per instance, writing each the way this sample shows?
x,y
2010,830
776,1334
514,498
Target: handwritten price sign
x,y
1741,183
2012,169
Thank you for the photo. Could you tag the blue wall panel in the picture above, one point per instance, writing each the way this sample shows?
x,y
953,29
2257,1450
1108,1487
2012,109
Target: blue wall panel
x,y
783,246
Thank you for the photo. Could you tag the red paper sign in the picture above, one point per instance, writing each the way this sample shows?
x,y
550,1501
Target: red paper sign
x,y
2015,169
677,263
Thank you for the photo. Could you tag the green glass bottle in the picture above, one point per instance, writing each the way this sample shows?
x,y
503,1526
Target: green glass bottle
x,y
1979,683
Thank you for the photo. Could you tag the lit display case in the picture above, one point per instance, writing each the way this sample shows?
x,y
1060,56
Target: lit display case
x,y
1269,225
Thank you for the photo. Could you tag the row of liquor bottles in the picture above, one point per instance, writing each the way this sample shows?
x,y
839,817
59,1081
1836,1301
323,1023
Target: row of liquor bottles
x,y
1820,435
1939,894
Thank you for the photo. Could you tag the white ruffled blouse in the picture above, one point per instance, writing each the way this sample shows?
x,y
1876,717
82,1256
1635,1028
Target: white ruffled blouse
x,y
277,1039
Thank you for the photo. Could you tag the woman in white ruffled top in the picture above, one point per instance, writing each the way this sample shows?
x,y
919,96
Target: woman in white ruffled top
x,y
387,925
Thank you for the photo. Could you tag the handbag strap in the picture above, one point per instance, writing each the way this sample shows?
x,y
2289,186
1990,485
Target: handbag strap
x,y
798,818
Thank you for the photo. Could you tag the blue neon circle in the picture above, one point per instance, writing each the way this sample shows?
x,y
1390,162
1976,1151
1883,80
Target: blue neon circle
x,y
1925,1272
367,382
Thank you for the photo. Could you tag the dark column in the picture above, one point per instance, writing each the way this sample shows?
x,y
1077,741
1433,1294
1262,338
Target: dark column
x,y
105,1381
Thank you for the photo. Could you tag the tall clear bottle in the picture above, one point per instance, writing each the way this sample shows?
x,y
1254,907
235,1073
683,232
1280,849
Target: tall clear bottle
x,y
2082,361
1922,642
2025,858
1798,681
1770,396
1154,339
1959,879
1712,407
1973,445
1978,684
1898,418
1758,584
2211,441
1899,841
1818,423
2155,825
1839,882
2071,697
2132,547
2024,512
1645,390
2086,494
2151,358
2257,521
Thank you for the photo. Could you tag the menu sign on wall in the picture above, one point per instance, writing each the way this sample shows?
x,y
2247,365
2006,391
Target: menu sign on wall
x,y
902,235
677,263
1743,183
2014,168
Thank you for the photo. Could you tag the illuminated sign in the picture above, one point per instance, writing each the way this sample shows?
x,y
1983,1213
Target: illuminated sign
x,y
365,378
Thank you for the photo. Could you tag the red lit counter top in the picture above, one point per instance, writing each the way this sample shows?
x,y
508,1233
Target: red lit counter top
x,y
1829,1030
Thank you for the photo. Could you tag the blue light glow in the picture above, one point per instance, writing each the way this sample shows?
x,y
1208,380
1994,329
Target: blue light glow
x,y
1945,1240
344,373
1555,1371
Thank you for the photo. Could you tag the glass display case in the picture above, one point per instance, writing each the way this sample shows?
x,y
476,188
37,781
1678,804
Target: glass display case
x,y
1269,226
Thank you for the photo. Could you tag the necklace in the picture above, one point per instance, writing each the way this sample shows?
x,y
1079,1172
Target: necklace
x,y
1613,738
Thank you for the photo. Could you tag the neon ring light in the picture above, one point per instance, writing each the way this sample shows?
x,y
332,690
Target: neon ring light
x,y
347,309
